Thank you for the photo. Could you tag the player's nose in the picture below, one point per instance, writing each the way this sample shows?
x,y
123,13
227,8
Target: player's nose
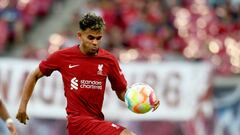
x,y
95,42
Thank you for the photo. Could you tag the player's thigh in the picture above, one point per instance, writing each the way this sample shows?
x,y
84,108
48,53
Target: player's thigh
x,y
127,132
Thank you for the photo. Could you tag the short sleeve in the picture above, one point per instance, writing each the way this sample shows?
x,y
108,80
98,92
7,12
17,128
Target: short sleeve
x,y
50,64
116,77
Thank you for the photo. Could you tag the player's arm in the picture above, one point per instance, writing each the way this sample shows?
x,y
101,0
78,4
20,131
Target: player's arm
x,y
117,80
121,95
3,111
6,117
27,93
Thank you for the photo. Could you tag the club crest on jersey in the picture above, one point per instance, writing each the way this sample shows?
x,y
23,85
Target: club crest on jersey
x,y
100,69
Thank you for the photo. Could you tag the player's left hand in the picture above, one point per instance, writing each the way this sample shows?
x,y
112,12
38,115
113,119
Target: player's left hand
x,y
156,105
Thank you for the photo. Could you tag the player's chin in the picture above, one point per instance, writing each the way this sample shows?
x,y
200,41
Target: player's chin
x,y
93,51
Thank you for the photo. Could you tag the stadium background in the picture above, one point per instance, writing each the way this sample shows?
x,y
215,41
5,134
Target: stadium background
x,y
188,50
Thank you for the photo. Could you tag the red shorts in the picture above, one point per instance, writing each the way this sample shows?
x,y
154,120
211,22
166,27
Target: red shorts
x,y
90,126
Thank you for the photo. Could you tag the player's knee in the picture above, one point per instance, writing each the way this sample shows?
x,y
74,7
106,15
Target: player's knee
x,y
127,132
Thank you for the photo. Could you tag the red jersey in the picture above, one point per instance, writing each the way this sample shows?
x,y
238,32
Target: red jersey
x,y
84,79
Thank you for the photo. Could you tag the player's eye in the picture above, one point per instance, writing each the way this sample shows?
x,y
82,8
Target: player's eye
x,y
90,37
98,38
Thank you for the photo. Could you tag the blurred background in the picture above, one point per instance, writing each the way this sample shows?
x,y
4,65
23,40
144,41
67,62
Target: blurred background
x,y
187,50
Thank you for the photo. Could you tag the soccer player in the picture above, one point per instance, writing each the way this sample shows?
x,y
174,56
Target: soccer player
x,y
6,117
84,69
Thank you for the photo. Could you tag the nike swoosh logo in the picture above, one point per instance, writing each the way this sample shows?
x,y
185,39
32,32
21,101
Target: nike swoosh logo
x,y
72,66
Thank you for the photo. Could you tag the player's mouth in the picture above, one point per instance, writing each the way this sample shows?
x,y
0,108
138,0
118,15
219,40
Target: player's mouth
x,y
94,49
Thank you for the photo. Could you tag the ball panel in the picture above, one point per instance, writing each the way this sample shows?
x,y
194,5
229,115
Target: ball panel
x,y
144,107
143,94
152,98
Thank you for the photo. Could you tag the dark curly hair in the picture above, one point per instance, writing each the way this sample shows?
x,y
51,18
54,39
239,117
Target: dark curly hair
x,y
92,21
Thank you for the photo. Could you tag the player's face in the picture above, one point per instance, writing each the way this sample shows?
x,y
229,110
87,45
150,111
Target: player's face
x,y
90,41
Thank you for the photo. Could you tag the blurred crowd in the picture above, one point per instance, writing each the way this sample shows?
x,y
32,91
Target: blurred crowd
x,y
157,30
17,17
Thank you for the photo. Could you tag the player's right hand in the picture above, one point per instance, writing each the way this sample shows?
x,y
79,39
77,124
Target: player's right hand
x,y
22,117
12,128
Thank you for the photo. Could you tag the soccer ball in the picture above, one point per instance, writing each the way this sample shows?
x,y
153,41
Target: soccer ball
x,y
140,98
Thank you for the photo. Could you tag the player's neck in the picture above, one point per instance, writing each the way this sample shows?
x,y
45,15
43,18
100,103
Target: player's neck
x,y
82,49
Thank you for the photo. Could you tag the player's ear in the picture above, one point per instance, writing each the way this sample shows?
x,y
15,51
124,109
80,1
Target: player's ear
x,y
79,34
